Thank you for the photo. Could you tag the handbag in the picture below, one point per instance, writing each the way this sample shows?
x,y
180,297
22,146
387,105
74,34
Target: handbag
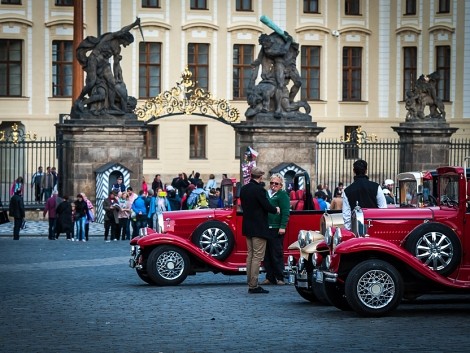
x,y
4,217
90,216
23,224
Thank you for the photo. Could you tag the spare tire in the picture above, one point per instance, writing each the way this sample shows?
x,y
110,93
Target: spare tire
x,y
214,238
436,246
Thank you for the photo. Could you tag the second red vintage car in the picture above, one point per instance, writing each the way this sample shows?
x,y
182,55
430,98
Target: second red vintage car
x,y
210,240
392,254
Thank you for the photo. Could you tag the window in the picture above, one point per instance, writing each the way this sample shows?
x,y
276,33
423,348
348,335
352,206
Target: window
x,y
11,2
198,5
352,7
63,2
351,149
410,7
352,71
151,142
149,69
151,3
409,69
10,67
444,6
197,141
443,68
198,64
310,72
242,58
244,5
62,73
311,6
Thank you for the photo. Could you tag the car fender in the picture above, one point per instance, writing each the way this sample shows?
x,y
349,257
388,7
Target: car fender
x,y
157,239
380,246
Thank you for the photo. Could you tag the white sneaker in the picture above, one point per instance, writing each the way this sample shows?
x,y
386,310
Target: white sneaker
x,y
107,241
73,239
115,239
84,240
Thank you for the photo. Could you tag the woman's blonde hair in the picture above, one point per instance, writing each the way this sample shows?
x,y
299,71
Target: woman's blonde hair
x,y
278,176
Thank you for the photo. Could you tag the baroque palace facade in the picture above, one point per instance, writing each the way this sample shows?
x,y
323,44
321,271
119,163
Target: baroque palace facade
x,y
357,60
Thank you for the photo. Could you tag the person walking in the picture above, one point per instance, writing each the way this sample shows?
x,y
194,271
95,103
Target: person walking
x,y
256,206
36,184
50,210
17,211
18,184
274,256
47,183
362,192
64,220
110,216
140,210
81,209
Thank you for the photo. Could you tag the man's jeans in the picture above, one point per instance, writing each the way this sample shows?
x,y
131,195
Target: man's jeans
x,y
80,228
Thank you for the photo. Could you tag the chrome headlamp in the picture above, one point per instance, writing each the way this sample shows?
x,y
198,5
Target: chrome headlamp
x,y
301,264
337,237
305,237
328,236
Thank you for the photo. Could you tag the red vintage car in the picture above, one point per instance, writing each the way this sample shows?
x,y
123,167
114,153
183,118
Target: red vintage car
x,y
415,189
210,239
402,253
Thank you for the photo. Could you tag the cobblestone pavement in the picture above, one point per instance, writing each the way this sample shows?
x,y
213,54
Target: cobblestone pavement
x,y
59,296
41,228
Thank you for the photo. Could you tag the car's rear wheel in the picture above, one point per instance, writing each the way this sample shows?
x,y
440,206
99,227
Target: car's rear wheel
x,y
214,238
374,288
437,246
168,265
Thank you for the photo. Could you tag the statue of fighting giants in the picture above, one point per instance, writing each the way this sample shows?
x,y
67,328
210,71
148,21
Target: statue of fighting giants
x,y
277,60
105,91
424,94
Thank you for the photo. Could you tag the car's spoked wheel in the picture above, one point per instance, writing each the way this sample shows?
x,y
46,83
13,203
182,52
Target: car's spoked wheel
x,y
168,265
374,288
214,238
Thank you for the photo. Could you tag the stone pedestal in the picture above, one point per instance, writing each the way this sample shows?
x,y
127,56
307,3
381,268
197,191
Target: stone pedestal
x,y
424,145
280,141
89,144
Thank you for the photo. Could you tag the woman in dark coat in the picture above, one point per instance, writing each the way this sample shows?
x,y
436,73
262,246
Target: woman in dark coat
x,y
64,218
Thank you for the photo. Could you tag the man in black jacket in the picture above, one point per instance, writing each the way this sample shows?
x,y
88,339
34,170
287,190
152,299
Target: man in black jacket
x,y
256,206
17,212
362,192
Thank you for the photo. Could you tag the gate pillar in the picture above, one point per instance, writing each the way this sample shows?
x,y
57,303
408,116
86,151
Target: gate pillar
x,y
90,144
424,145
280,141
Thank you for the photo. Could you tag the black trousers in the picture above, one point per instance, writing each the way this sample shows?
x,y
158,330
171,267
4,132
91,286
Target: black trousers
x,y
17,227
274,256
110,226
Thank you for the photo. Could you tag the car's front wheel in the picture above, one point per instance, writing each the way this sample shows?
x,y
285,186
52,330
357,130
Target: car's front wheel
x,y
334,293
168,265
374,288
307,295
144,276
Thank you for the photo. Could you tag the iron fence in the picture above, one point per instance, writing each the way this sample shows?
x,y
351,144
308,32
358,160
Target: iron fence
x,y
23,158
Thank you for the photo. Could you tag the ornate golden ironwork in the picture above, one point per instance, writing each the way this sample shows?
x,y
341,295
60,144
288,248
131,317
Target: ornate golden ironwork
x,y
17,135
187,98
359,136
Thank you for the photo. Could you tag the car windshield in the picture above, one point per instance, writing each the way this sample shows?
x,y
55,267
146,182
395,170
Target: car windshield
x,y
449,189
408,192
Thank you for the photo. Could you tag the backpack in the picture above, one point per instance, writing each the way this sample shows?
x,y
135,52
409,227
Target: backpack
x,y
202,201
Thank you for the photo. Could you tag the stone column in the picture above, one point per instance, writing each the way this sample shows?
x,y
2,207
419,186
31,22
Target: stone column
x,y
425,145
280,141
90,144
